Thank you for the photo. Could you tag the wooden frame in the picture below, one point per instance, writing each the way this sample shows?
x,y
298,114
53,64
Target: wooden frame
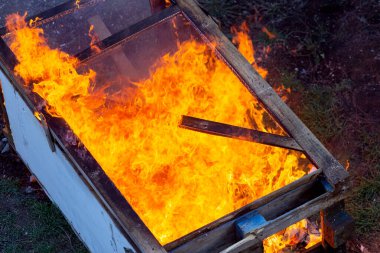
x,y
330,178
240,133
313,148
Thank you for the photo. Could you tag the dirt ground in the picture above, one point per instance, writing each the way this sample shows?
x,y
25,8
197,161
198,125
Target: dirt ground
x,y
326,52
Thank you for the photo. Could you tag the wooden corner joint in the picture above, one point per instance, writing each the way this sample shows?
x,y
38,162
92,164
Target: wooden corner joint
x,y
336,175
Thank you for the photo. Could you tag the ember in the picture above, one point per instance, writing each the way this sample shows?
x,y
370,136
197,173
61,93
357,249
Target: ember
x,y
299,236
175,179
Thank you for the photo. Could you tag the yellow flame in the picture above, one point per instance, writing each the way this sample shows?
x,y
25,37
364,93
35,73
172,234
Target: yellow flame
x,y
175,179
167,3
290,237
33,22
37,115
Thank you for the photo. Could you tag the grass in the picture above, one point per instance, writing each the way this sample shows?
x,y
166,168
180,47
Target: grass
x,y
364,206
319,106
309,35
32,225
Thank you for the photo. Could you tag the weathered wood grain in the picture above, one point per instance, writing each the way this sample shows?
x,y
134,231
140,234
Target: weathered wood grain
x,y
235,132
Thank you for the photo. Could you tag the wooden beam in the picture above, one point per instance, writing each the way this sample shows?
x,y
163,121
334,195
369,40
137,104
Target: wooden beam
x,y
240,133
213,233
284,221
245,243
301,203
104,190
313,148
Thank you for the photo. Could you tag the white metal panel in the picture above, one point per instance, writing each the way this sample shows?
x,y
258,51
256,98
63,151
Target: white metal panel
x,y
59,179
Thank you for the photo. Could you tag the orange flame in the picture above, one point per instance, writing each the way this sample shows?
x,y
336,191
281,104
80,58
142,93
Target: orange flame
x,y
33,22
175,179
347,167
268,33
94,39
167,3
245,46
291,237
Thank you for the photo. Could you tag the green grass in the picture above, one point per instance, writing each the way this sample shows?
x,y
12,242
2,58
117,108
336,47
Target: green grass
x,y
31,225
364,206
319,106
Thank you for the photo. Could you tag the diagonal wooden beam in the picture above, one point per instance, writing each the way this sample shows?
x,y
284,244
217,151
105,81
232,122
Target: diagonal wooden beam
x,y
313,148
240,133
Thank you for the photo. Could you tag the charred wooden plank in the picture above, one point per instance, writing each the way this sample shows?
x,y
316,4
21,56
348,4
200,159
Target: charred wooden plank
x,y
7,128
215,232
290,218
221,233
235,132
313,148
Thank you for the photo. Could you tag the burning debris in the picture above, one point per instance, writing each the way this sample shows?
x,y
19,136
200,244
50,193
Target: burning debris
x,y
182,178
296,238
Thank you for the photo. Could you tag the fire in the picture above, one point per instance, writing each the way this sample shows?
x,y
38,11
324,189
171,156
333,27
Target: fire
x,y
167,3
94,39
245,47
33,22
301,235
268,33
175,179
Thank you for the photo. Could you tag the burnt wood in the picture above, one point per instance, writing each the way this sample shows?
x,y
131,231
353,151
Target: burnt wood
x,y
292,217
240,133
221,233
313,148
302,202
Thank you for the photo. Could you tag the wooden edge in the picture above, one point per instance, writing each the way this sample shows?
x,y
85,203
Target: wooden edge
x,y
240,133
313,148
103,188
252,206
130,223
247,242
304,211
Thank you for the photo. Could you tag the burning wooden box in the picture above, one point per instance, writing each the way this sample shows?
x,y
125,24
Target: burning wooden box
x,y
152,133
